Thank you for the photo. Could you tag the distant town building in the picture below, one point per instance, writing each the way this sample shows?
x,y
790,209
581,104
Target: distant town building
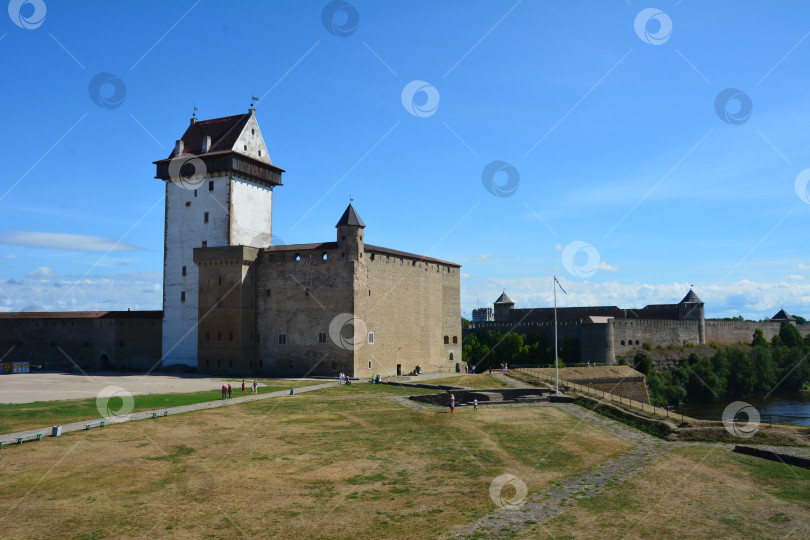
x,y
483,314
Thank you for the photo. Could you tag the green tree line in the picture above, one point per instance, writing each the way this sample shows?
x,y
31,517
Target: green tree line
x,y
734,372
490,349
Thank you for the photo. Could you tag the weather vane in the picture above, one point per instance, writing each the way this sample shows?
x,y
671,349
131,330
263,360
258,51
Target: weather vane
x,y
351,200
253,99
194,113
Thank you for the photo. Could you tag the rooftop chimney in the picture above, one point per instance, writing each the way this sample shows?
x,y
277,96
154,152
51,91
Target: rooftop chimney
x,y
193,120
178,147
206,145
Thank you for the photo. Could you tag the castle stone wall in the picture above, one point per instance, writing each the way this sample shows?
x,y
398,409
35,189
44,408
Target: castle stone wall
x,y
128,340
298,294
736,331
632,334
410,305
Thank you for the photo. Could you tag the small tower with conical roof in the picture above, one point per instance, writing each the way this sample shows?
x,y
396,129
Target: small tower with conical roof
x,y
350,234
503,307
691,309
783,318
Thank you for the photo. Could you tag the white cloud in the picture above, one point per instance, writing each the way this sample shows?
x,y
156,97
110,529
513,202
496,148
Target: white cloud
x,y
801,266
135,290
795,277
79,242
484,257
606,267
43,272
558,247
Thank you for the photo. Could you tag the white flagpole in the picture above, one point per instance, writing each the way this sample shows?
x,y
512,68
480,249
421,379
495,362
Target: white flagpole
x,y
556,364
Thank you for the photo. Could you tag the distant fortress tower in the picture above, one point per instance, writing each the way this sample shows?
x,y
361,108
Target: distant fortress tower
x,y
219,192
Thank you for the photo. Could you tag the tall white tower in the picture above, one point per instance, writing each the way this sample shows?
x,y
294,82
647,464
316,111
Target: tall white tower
x,y
219,192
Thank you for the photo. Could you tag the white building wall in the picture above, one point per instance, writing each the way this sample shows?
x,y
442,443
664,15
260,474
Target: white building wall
x,y
185,230
251,142
252,219
239,213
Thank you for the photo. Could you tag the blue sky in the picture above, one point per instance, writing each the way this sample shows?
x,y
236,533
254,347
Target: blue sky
x,y
609,129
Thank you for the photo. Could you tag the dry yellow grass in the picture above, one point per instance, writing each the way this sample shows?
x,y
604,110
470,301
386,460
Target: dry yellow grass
x,y
697,492
297,467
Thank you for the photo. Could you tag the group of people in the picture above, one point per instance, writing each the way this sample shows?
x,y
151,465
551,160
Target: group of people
x,y
344,379
228,391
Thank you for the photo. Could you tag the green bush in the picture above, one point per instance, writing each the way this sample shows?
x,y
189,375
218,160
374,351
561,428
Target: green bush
x,y
642,362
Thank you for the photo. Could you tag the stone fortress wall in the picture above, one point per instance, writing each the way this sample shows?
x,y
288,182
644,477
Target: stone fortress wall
x,y
605,332
325,308
83,340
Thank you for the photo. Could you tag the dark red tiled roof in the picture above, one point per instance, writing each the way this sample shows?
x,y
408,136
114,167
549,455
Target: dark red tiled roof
x,y
369,249
302,247
83,315
396,253
223,132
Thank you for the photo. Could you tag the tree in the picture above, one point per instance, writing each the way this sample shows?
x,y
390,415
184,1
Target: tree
x,y
800,319
790,335
642,362
759,338
465,323
740,373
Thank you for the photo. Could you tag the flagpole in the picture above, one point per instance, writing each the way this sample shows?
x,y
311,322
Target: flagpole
x,y
556,363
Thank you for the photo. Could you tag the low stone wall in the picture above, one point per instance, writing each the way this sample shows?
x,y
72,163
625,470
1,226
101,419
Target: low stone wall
x,y
486,395
790,459
622,381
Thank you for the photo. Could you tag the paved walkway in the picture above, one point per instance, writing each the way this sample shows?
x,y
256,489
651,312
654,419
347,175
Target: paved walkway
x,y
143,415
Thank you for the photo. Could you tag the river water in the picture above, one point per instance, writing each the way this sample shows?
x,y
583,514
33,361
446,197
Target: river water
x,y
793,408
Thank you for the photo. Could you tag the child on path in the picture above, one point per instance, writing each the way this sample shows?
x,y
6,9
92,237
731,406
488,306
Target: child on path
x,y
243,387
475,404
224,390
229,391
255,386
452,404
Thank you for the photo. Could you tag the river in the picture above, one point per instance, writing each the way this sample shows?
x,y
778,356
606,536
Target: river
x,y
793,408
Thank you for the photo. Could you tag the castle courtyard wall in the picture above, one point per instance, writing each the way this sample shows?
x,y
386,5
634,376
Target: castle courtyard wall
x,y
298,294
410,305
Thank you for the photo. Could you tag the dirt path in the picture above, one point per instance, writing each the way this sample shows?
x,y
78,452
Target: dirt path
x,y
542,506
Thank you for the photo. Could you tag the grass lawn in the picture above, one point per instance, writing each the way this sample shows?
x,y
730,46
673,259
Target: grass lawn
x,y
292,467
696,492
481,380
39,414
369,389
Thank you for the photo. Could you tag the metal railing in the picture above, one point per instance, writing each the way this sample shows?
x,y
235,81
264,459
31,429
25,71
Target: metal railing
x,y
532,373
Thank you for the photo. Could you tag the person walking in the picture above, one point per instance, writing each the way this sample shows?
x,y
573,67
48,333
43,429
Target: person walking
x,y
255,386
475,404
243,387
224,390
452,404
229,391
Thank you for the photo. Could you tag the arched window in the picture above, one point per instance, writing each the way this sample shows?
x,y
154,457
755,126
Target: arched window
x,y
455,339
446,340
622,342
451,357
